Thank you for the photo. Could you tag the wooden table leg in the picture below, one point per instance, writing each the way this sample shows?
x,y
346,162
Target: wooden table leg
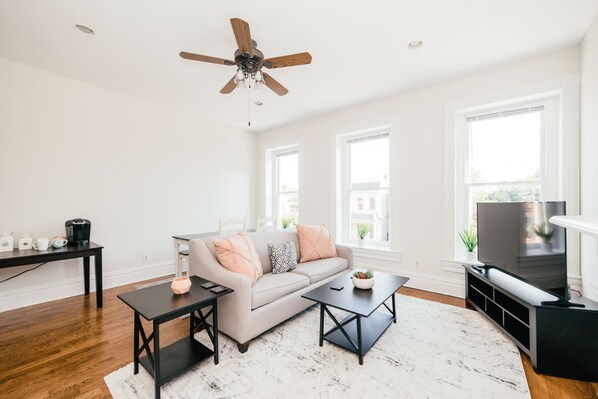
x,y
98,269
359,345
86,274
157,376
322,306
215,328
136,322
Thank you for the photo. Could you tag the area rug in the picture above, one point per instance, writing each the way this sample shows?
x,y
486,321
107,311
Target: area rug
x,y
434,351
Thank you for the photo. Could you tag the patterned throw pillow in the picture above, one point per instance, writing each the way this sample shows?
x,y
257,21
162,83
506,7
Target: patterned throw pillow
x,y
283,257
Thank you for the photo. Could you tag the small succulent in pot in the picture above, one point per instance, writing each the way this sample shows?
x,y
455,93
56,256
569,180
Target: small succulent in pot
x,y
363,230
286,222
469,238
363,275
363,280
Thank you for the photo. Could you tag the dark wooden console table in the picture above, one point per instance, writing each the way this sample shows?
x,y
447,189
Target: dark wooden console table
x,y
32,256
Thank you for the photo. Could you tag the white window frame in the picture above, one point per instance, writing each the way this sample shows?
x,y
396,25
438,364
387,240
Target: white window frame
x,y
548,179
560,161
343,214
272,175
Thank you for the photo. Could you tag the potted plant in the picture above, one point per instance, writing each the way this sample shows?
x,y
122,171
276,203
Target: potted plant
x,y
286,222
362,231
470,240
363,280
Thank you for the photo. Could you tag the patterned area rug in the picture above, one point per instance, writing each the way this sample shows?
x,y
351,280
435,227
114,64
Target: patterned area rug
x,y
434,351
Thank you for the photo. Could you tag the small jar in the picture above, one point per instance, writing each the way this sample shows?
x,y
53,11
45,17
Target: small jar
x,y
7,241
25,241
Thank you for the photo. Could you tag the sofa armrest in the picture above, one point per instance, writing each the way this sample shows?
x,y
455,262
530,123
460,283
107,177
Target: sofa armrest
x,y
234,310
345,252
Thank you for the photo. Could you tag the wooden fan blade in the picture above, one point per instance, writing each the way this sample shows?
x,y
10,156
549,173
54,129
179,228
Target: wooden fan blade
x,y
242,35
288,60
205,58
274,85
229,87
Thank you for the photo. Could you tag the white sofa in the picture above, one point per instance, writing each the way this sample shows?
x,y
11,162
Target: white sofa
x,y
251,310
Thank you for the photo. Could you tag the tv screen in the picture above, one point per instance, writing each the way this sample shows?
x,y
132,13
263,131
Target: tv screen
x,y
517,238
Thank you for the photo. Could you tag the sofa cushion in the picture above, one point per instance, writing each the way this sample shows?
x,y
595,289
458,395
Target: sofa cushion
x,y
237,253
315,242
274,286
318,270
283,257
261,239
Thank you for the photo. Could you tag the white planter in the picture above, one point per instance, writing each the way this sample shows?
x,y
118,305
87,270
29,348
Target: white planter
x,y
471,257
363,284
360,242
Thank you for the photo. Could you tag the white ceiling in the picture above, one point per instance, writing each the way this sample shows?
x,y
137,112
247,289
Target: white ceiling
x,y
359,48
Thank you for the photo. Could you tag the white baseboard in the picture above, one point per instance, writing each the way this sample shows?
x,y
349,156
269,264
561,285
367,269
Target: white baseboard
x,y
63,289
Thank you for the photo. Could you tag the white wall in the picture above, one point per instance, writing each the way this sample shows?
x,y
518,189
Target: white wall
x,y
138,171
589,158
418,171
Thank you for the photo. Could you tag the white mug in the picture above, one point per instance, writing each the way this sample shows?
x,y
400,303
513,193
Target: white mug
x,y
41,244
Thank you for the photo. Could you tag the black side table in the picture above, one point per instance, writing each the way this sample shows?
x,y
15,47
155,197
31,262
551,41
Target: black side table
x,y
159,304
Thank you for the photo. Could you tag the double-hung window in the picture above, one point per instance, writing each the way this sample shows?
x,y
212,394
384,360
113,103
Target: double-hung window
x,y
285,184
507,153
365,182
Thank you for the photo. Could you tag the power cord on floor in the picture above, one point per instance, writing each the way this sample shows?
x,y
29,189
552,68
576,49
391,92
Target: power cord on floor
x,y
23,272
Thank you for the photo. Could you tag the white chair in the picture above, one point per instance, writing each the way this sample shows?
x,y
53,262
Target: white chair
x,y
267,223
183,260
229,226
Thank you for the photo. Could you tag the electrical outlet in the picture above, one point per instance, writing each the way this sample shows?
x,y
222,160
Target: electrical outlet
x,y
417,264
145,258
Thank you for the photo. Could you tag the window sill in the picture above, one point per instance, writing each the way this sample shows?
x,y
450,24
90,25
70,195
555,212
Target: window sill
x,y
456,265
374,252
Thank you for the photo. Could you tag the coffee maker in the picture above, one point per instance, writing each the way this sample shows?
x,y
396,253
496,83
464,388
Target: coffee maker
x,y
78,232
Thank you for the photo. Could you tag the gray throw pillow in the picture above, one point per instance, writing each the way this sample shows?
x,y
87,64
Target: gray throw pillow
x,y
283,257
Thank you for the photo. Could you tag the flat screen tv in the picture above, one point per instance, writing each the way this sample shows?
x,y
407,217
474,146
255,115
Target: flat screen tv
x,y
518,238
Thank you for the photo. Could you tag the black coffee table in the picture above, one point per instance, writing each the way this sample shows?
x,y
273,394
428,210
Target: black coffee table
x,y
159,304
360,330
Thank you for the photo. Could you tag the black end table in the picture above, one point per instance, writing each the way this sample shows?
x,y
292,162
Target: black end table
x,y
159,304
31,256
359,331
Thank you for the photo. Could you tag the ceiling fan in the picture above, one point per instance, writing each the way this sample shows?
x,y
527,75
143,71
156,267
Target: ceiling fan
x,y
249,61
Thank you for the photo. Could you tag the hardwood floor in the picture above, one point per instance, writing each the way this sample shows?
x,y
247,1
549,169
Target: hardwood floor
x,y
63,349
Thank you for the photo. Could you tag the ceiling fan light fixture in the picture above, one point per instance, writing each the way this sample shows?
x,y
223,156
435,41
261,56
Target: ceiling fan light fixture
x,y
414,45
85,29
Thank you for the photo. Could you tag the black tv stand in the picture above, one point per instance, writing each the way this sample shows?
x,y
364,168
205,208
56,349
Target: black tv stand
x,y
563,304
559,337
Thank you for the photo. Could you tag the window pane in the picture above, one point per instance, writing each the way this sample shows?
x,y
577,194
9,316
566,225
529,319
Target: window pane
x,y
505,149
288,206
500,193
369,163
376,215
288,173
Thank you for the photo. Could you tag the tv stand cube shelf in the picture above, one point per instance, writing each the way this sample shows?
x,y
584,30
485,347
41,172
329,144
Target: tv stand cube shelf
x,y
559,341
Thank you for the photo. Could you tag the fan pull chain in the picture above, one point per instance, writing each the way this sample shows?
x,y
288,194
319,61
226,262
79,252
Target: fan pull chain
x,y
249,105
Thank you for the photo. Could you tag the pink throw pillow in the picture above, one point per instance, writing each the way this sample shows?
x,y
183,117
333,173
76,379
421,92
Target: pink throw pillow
x,y
315,242
238,254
